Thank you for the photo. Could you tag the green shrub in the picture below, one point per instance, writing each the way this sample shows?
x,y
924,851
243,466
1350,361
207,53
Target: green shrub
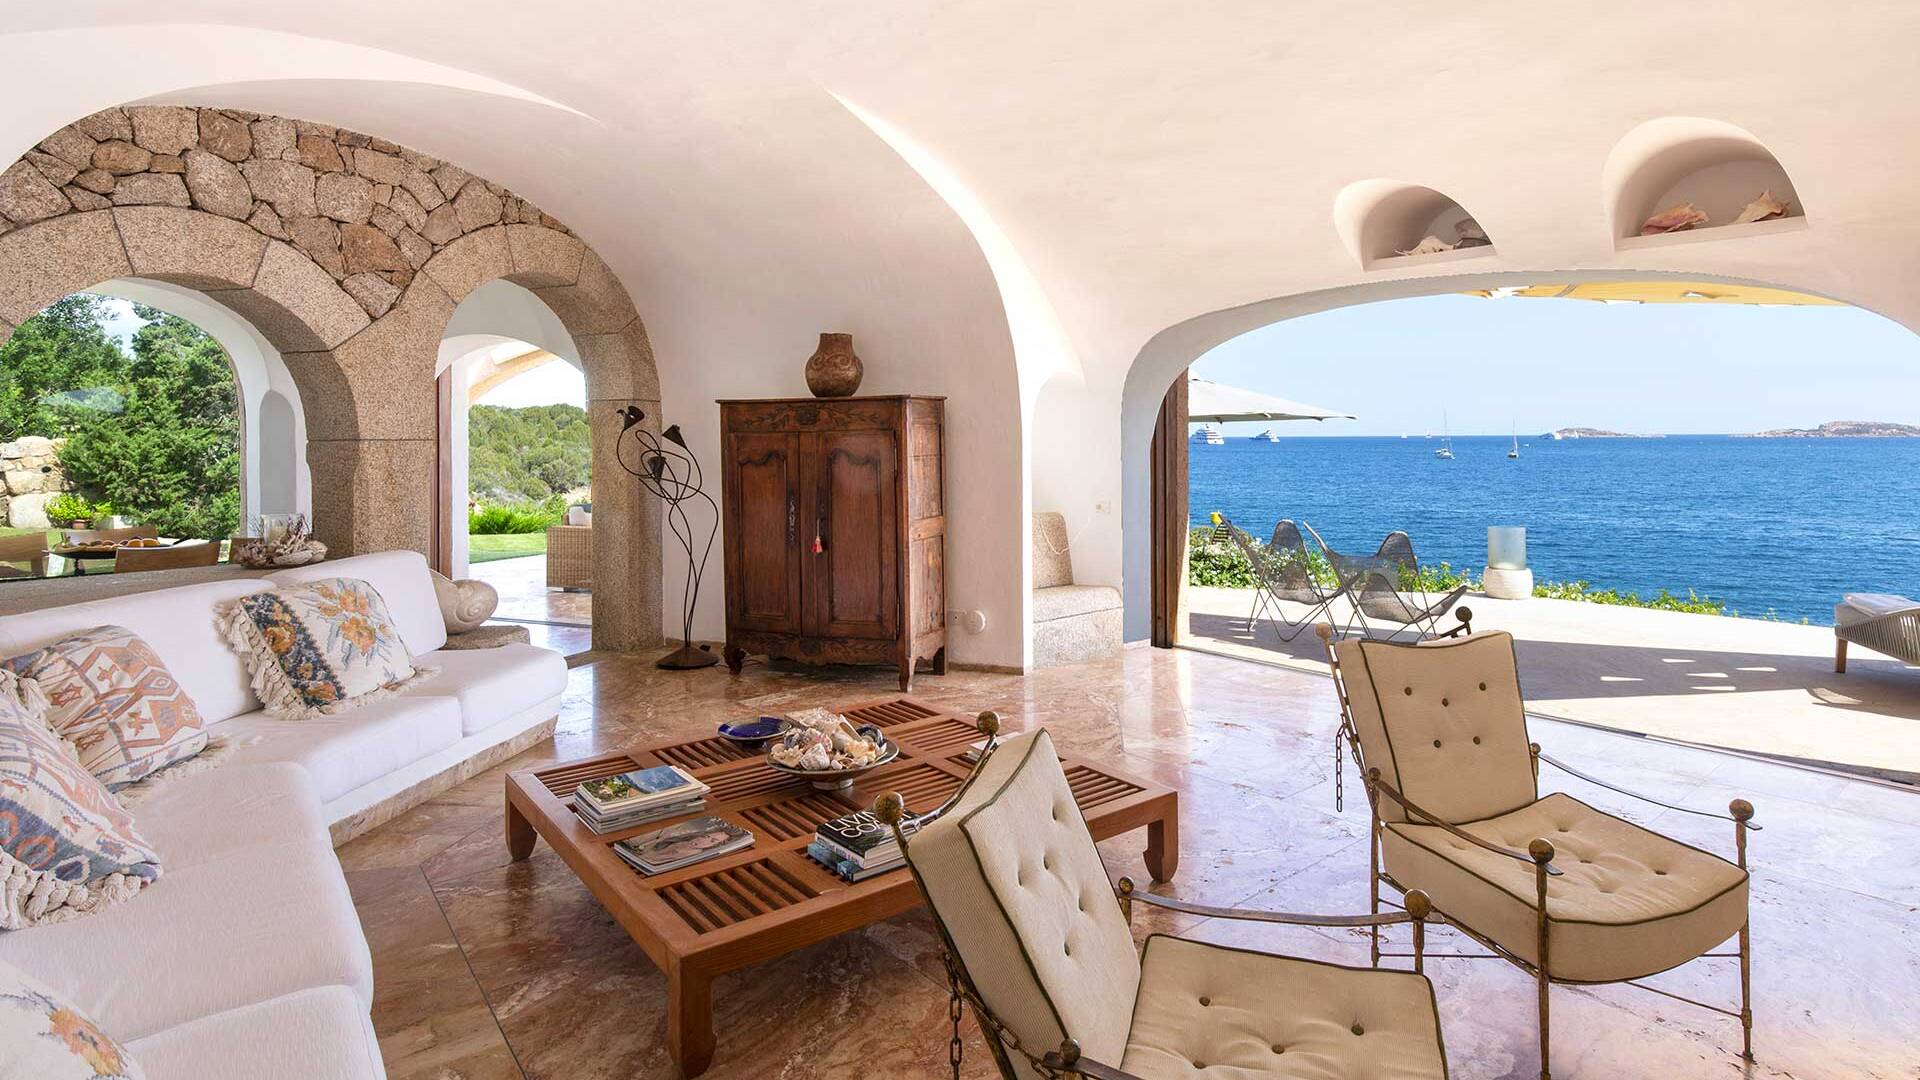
x,y
495,520
1435,579
1692,603
1219,564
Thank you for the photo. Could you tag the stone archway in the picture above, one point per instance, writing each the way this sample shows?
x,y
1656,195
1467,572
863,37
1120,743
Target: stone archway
x,y
348,253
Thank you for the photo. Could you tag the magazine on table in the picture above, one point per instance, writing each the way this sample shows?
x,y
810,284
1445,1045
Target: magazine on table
x,y
627,819
858,845
683,844
641,787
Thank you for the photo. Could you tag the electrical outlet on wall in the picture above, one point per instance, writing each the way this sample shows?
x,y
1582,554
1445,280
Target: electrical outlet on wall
x,y
973,622
1103,507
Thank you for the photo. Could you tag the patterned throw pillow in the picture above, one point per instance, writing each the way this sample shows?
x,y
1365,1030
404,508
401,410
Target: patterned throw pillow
x,y
67,848
43,1037
319,647
113,699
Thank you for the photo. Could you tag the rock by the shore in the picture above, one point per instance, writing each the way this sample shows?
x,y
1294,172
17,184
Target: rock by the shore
x,y
1844,429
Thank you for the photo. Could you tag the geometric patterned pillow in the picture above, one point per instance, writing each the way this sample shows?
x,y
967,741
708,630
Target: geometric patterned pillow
x,y
319,647
114,700
42,1037
67,846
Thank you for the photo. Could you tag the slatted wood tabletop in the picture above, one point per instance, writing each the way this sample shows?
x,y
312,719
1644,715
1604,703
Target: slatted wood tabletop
x,y
770,899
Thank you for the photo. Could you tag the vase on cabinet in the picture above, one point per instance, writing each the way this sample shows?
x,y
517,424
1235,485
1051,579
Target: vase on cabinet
x,y
834,370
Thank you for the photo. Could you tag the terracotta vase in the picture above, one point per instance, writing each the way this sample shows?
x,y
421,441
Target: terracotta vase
x,y
833,370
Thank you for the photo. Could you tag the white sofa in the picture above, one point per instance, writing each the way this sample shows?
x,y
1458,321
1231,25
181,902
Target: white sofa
x,y
246,958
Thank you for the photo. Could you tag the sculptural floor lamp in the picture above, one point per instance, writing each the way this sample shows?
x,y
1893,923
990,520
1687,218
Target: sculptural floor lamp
x,y
672,474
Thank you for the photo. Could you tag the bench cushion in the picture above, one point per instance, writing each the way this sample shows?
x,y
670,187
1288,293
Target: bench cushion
x,y
206,816
343,751
492,685
1628,902
317,1034
245,928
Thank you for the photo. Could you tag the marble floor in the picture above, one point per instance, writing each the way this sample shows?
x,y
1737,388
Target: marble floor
x,y
488,969
555,618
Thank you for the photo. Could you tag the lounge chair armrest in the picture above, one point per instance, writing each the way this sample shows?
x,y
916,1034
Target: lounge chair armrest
x,y
1384,788
1067,1059
1733,813
1128,894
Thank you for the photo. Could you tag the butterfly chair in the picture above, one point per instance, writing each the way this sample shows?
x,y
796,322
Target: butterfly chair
x,y
1036,940
1378,594
1283,571
1564,891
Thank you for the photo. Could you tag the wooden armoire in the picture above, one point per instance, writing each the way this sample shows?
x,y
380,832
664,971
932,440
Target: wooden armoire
x,y
835,530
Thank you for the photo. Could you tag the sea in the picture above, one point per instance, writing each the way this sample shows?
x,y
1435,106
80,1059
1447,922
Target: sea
x,y
1774,528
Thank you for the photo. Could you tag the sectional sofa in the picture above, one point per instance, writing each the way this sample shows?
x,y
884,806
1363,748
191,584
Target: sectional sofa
x,y
246,959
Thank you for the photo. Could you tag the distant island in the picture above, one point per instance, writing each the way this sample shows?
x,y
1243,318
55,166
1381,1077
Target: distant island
x,y
1595,433
1844,429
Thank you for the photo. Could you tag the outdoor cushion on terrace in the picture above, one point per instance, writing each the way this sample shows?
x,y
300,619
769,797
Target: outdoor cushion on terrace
x,y
207,816
1628,902
344,751
494,684
322,1033
255,925
1211,1010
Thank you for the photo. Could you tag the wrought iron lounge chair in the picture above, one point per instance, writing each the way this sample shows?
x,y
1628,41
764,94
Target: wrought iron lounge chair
x,y
1283,570
1378,594
1557,888
1886,624
1036,940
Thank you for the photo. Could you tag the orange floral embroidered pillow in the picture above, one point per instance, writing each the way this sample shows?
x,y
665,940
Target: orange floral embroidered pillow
x,y
115,702
319,647
43,1036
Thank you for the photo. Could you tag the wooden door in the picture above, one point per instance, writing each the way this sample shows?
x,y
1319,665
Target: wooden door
x,y
852,579
763,532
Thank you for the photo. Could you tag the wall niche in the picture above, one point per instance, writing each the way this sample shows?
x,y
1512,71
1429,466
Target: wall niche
x,y
1720,171
1388,223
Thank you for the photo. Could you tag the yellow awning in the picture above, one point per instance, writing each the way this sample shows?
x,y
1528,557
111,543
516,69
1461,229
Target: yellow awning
x,y
1667,292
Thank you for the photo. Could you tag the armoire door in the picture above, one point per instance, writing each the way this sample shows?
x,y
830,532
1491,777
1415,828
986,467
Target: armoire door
x,y
852,572
763,525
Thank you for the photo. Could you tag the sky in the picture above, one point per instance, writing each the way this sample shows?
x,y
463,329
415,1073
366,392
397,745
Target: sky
x,y
1486,366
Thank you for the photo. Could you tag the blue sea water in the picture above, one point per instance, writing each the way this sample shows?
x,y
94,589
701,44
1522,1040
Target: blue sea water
x,y
1779,527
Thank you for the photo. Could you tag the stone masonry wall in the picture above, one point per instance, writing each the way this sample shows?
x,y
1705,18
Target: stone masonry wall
x,y
367,211
30,474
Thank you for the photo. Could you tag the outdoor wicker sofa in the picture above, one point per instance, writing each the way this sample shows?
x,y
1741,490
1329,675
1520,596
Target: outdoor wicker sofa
x,y
1878,621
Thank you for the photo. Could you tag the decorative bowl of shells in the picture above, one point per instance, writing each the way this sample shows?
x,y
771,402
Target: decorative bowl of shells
x,y
828,750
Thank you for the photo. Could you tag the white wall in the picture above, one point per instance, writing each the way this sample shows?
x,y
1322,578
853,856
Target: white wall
x,y
273,441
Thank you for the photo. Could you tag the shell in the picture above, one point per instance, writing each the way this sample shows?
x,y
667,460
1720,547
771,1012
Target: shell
x,y
1432,245
1470,234
1674,219
1762,208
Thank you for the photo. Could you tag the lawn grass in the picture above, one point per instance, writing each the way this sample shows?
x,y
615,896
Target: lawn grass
x,y
487,548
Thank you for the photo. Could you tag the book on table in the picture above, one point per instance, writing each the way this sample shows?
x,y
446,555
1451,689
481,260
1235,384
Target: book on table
x,y
857,846
636,797
682,844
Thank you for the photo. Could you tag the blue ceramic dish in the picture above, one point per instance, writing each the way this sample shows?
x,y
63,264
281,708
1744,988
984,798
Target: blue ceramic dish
x,y
752,732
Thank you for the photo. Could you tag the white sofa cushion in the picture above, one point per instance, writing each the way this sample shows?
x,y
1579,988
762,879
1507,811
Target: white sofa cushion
x,y
317,1034
345,750
206,816
177,623
252,926
43,1037
495,684
404,583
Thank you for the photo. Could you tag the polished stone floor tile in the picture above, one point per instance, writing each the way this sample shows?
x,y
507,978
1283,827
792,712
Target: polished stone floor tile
x,y
486,968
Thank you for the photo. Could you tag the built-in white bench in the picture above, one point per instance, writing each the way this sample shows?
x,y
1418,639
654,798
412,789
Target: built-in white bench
x,y
1071,622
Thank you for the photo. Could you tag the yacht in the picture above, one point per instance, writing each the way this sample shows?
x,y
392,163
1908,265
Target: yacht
x,y
1209,435
1445,452
1268,435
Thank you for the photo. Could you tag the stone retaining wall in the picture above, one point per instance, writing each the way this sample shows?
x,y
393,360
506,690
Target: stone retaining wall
x,y
30,475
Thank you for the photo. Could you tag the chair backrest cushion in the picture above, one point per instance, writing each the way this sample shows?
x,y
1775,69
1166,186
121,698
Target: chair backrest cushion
x,y
1052,562
402,580
1444,723
1012,874
177,624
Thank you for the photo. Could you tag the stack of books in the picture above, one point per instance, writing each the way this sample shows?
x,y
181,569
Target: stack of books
x,y
681,845
637,797
857,846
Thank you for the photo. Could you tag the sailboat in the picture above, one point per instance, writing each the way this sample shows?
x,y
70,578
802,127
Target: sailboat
x,y
1445,452
1515,452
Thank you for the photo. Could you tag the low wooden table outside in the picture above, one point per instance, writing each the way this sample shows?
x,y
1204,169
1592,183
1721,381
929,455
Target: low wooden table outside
x,y
754,905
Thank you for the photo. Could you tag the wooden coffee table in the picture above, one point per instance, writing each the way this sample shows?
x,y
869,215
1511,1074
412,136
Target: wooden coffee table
x,y
766,901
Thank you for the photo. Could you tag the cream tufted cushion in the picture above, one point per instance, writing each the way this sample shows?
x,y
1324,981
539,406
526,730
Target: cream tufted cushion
x,y
1444,723
1628,902
1012,873
1209,1011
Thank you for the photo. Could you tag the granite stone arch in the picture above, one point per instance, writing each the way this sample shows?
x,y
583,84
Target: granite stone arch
x,y
348,253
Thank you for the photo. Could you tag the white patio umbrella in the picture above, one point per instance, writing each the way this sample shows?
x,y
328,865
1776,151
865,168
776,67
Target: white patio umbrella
x,y
1211,402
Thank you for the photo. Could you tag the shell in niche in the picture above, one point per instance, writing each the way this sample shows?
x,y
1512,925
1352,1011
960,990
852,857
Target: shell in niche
x,y
1432,245
1470,234
1762,208
1674,219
